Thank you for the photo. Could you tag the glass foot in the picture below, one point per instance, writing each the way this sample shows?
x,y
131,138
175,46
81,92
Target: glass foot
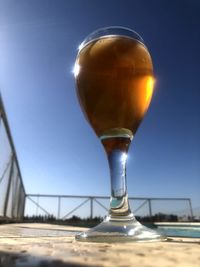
x,y
123,230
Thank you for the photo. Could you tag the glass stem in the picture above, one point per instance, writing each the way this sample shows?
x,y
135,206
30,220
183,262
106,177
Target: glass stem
x,y
119,205
116,148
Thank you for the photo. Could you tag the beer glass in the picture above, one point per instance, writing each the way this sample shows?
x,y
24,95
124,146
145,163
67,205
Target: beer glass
x,y
114,83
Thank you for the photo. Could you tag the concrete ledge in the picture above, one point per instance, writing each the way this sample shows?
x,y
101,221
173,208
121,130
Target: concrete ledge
x,y
46,245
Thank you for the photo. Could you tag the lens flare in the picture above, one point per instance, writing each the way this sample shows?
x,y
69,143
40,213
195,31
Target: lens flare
x,y
123,158
149,88
76,69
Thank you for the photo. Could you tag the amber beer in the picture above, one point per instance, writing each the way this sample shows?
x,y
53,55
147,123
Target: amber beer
x,y
114,78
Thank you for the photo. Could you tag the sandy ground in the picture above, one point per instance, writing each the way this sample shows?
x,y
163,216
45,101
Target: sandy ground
x,y
44,245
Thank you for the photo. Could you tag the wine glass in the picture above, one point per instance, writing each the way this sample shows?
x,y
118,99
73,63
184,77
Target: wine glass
x,y
114,84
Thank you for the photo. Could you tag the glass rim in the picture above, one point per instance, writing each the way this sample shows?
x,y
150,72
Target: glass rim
x,y
111,31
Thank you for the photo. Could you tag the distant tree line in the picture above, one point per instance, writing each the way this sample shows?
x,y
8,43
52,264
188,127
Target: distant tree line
x,y
159,217
74,220
89,222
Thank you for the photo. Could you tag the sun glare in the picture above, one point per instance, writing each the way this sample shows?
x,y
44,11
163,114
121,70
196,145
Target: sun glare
x,y
76,69
80,46
123,158
149,88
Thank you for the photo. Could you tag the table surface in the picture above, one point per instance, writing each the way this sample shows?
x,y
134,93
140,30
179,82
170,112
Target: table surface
x,y
47,245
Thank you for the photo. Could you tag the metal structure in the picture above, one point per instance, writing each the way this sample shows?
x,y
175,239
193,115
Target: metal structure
x,y
12,192
13,196
145,207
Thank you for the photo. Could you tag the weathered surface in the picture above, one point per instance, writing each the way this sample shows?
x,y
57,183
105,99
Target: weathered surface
x,y
45,245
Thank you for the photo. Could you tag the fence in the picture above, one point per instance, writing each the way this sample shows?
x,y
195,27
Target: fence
x,y
13,196
65,206
12,192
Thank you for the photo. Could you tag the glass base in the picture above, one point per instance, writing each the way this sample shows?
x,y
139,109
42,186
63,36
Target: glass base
x,y
125,229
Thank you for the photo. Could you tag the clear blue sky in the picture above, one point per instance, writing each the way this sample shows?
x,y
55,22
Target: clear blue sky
x,y
57,150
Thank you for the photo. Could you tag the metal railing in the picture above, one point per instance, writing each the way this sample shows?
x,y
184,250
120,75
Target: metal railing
x,y
12,192
64,206
13,196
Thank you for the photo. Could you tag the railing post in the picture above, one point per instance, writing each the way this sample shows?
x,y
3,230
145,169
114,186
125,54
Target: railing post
x,y
59,203
91,207
23,208
19,204
191,211
150,209
8,187
15,199
37,205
